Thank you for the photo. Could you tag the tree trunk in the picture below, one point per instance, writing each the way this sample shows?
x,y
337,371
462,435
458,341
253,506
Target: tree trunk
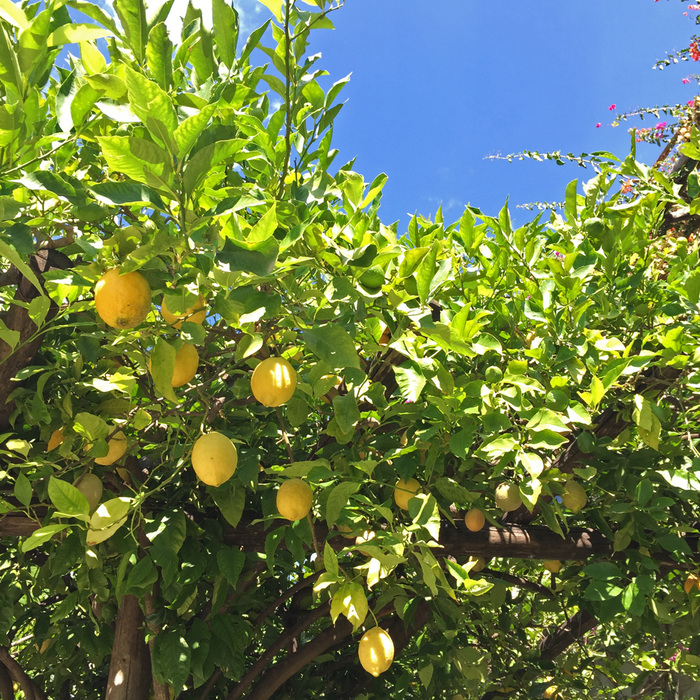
x,y
130,666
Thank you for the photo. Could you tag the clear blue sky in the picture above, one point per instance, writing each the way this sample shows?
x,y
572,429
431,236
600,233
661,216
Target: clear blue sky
x,y
437,87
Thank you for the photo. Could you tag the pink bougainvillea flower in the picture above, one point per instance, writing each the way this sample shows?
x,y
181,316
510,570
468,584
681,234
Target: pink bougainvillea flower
x,y
685,81
598,125
612,107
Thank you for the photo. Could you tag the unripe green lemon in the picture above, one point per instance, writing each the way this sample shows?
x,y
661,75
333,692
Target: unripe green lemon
x,y
575,497
508,497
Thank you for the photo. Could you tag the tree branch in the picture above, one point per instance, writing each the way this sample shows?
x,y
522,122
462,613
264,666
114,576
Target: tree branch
x,y
287,636
30,689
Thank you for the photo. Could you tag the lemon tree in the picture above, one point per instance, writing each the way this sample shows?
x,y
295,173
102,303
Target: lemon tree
x,y
257,442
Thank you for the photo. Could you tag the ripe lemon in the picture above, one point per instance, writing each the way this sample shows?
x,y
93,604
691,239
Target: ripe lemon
x,y
693,581
474,520
376,651
117,447
575,496
214,458
294,499
553,565
273,381
91,487
508,497
55,440
404,491
122,301
194,314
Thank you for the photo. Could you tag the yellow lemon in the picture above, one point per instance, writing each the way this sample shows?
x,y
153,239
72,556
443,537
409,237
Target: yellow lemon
x,y
195,314
474,520
553,565
508,497
117,447
376,651
575,496
55,440
91,487
273,381
122,301
214,458
294,499
404,491
551,693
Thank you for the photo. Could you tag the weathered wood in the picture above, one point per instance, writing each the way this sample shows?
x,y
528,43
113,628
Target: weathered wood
x,y
130,664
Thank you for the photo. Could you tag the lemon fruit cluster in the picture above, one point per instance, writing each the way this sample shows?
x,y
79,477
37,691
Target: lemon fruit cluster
x,y
214,458
376,651
122,301
294,499
273,382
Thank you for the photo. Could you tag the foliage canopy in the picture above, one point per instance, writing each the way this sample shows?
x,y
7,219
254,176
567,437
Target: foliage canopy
x,y
462,355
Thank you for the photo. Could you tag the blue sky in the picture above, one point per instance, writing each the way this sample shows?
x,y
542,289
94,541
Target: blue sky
x,y
439,87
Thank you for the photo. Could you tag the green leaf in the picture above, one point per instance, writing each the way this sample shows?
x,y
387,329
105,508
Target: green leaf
x,y
141,577
159,51
225,23
140,160
330,560
161,365
231,501
67,499
231,562
75,33
90,426
23,489
132,15
486,343
426,271
338,499
425,512
154,107
350,600
190,129
333,345
13,13
43,534
13,256
171,656
603,571
107,519
346,412
411,381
